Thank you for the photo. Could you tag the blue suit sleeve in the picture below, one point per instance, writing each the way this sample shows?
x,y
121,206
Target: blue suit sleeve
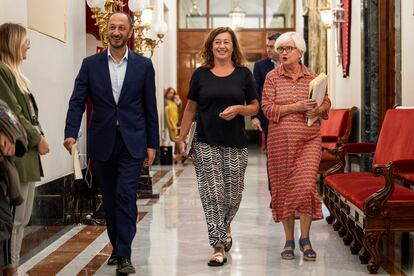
x,y
77,102
259,83
150,105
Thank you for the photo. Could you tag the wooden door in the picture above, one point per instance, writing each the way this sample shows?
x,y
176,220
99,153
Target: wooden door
x,y
190,42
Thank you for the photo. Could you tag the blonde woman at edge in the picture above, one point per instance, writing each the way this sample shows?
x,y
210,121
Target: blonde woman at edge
x,y
15,92
222,92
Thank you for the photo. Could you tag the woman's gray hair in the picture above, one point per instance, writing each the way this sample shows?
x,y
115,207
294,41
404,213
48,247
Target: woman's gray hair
x,y
295,37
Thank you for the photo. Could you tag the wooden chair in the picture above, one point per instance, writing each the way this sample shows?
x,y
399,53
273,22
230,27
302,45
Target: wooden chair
x,y
407,180
335,132
368,207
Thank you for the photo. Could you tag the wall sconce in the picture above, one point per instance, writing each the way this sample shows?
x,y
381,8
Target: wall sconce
x,y
338,14
338,19
142,24
142,18
334,18
326,15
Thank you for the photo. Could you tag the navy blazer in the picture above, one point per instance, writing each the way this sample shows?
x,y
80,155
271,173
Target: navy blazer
x,y
260,70
136,111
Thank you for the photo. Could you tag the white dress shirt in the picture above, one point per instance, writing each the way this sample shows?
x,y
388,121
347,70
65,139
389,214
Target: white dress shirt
x,y
274,63
117,73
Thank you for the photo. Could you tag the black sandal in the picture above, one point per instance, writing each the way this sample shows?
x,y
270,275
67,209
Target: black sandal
x,y
288,254
308,252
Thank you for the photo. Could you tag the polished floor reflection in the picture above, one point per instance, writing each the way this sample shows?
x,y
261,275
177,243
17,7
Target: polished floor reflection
x,y
172,237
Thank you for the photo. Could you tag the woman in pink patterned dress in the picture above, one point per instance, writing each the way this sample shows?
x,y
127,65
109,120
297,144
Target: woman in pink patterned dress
x,y
294,148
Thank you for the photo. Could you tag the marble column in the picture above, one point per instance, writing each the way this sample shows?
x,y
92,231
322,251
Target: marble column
x,y
370,118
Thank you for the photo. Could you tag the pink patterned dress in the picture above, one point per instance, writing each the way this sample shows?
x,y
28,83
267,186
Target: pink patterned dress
x,y
293,148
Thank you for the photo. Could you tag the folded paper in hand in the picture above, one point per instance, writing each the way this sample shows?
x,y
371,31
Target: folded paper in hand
x,y
76,164
190,138
317,92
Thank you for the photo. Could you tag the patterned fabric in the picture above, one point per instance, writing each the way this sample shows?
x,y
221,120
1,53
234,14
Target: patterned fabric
x,y
220,176
293,148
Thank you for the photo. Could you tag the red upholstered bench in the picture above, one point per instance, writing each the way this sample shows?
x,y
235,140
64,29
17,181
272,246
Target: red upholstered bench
x,y
368,206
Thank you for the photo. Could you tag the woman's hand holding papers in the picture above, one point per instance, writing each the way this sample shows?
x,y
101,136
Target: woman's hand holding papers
x,y
305,105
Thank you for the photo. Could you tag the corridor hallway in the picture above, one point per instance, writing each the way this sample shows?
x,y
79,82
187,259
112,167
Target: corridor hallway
x,y
172,239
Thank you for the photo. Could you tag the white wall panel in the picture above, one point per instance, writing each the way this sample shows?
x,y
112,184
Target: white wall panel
x,y
346,92
52,66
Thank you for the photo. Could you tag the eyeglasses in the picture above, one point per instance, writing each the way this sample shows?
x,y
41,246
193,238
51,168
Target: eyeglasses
x,y
288,49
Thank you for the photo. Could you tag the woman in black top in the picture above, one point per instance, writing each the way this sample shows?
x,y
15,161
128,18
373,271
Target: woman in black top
x,y
222,92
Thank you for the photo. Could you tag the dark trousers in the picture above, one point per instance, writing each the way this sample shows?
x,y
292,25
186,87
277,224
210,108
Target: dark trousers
x,y
117,180
6,225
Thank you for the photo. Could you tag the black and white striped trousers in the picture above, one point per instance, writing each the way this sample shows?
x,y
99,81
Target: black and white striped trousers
x,y
220,176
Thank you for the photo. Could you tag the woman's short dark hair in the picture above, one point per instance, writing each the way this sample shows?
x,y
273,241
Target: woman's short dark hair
x,y
206,56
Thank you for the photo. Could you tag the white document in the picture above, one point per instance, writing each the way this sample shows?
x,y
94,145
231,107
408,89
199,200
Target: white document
x,y
190,138
317,92
76,164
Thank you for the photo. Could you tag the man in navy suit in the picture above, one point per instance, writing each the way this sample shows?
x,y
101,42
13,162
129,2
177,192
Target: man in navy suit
x,y
260,70
123,132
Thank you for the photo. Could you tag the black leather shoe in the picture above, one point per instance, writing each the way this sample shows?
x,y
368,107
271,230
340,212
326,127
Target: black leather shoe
x,y
113,260
125,266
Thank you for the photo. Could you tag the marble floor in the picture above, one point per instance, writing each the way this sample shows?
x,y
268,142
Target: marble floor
x,y
172,239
